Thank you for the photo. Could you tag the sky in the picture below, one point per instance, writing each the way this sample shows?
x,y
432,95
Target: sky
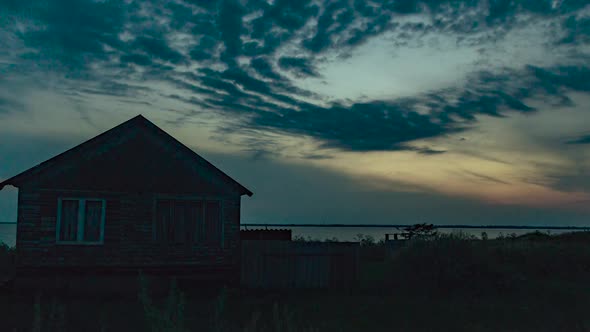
x,y
345,111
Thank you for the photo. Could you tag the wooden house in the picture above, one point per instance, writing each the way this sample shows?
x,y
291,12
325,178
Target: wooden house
x,y
132,198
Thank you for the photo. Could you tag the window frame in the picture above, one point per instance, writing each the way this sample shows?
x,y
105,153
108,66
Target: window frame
x,y
201,199
81,221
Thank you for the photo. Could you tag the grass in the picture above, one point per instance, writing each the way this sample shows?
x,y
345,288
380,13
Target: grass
x,y
457,263
445,283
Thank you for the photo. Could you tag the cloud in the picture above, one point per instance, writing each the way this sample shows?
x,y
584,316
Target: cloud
x,y
181,15
381,124
316,156
369,29
156,46
580,140
264,68
230,27
573,179
428,151
249,68
289,16
10,105
390,205
204,49
335,18
301,66
485,178
554,81
240,56
578,30
74,37
360,127
112,88
138,59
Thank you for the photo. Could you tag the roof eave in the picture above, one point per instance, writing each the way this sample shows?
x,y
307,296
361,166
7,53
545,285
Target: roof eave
x,y
8,182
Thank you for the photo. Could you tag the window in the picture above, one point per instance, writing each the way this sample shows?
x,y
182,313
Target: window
x,y
188,221
213,223
80,220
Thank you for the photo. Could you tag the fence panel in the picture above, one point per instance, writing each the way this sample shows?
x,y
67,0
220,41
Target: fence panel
x,y
286,264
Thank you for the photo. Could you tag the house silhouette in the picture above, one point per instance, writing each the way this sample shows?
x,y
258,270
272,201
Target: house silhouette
x,y
132,198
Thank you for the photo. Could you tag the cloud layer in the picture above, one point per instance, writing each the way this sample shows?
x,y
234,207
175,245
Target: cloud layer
x,y
258,72
244,59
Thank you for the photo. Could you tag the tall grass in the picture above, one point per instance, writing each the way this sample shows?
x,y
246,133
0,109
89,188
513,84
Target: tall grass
x,y
170,318
525,270
459,263
49,319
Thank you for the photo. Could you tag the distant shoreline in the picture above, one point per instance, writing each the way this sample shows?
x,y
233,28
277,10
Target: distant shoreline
x,y
435,226
405,225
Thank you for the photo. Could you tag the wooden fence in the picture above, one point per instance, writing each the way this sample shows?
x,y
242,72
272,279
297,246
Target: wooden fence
x,y
286,264
265,234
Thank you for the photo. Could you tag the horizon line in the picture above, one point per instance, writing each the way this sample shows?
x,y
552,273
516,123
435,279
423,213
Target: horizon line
x,y
404,225
408,225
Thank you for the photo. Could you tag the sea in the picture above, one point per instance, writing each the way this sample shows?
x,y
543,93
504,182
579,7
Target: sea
x,y
8,232
378,233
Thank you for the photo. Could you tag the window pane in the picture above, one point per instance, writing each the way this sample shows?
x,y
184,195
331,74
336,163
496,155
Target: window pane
x,y
181,221
213,223
163,212
92,221
68,230
178,216
194,222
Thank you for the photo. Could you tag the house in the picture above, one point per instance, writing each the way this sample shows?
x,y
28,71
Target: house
x,y
132,198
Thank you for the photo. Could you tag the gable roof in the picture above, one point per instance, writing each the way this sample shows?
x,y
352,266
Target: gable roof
x,y
137,121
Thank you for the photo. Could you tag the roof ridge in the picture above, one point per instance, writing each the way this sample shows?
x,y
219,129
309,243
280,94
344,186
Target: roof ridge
x,y
139,119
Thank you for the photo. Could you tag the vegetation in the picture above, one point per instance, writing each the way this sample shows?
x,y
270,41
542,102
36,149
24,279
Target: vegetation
x,y
437,282
458,263
7,256
421,231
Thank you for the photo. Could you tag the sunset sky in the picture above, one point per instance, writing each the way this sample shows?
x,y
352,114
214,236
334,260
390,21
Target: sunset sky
x,y
347,111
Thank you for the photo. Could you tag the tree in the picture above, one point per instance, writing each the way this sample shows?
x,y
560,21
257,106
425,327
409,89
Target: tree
x,y
422,231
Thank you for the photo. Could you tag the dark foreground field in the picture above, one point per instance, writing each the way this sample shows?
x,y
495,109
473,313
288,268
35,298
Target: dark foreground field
x,y
449,283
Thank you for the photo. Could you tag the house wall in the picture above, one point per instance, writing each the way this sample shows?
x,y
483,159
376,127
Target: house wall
x,y
128,237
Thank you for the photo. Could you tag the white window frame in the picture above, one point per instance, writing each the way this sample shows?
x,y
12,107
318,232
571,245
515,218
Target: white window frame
x,y
81,220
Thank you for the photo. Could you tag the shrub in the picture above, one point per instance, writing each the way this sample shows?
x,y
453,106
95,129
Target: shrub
x,y
365,240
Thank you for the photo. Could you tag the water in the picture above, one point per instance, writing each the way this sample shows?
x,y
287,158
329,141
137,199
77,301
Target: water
x,y
8,234
378,233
